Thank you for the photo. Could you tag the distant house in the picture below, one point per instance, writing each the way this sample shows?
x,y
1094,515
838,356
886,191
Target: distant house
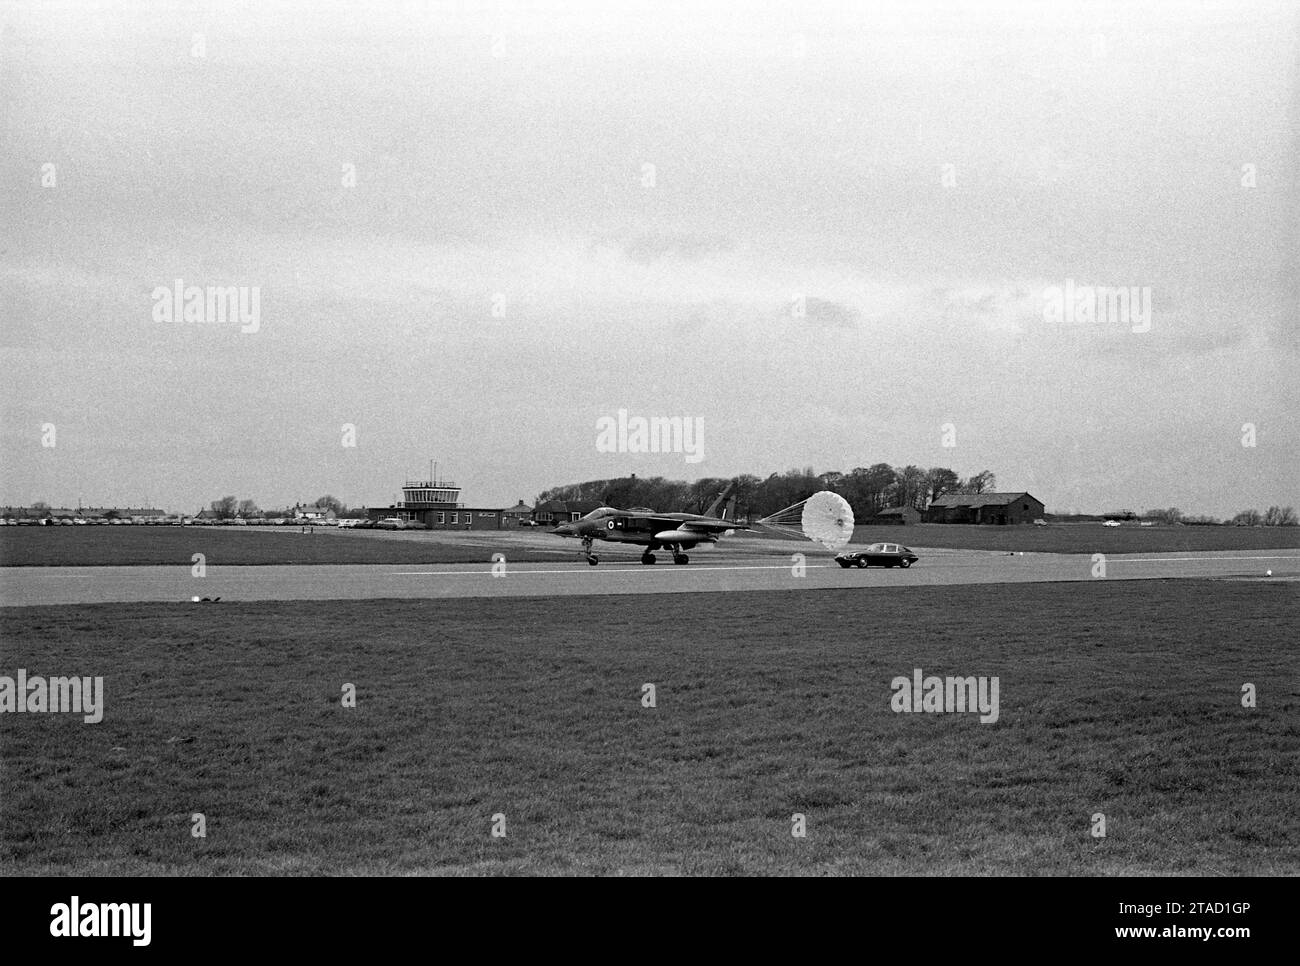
x,y
897,516
518,514
555,512
302,511
993,508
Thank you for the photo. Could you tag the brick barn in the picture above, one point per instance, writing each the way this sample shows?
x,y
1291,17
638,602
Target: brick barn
x,y
992,508
897,516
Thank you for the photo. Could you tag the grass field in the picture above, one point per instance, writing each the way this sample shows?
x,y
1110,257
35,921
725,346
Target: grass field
x,y
1084,538
1122,698
134,546
137,546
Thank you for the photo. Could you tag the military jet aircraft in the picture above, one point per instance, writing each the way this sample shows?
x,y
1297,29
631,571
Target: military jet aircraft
x,y
677,532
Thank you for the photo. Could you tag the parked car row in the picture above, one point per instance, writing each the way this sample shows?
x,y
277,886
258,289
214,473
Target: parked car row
x,y
87,522
177,522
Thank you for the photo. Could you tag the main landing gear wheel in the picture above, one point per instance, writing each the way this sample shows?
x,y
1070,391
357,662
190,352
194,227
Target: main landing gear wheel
x,y
647,558
681,558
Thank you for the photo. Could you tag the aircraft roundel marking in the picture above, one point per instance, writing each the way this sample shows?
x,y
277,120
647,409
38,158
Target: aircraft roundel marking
x,y
610,525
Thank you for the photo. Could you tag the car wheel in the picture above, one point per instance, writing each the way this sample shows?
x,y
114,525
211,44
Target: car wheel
x,y
862,563
905,563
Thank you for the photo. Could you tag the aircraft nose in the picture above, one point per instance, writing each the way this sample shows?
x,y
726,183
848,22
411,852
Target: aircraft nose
x,y
564,530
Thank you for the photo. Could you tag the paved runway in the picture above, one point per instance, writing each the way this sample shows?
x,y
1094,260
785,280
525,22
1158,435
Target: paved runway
x,y
76,585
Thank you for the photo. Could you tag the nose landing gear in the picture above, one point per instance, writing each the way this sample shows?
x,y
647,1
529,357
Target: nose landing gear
x,y
586,552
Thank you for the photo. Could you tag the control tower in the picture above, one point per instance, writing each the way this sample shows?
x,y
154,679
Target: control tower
x,y
429,495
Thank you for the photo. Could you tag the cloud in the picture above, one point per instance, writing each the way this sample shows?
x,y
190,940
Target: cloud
x,y
824,312
653,246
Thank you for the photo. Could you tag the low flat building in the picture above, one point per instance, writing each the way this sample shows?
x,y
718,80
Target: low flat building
x,y
436,504
897,516
990,508
554,512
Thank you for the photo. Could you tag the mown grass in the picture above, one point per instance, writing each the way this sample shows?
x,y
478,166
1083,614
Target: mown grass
x,y
1120,698
135,546
1083,538
141,546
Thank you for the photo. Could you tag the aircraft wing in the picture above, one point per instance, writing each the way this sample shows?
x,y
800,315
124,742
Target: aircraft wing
x,y
708,526
698,524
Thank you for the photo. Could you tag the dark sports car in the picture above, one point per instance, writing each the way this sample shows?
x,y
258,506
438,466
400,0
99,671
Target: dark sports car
x,y
878,554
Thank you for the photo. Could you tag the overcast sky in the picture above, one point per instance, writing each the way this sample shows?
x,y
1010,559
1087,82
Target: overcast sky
x,y
565,210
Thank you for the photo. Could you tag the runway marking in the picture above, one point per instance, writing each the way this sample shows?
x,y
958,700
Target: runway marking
x,y
629,568
1115,559
576,570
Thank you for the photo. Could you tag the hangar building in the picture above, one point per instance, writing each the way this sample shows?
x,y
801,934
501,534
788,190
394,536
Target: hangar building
x,y
995,508
897,516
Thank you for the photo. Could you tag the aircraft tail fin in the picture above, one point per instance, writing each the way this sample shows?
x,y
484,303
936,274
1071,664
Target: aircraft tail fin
x,y
723,504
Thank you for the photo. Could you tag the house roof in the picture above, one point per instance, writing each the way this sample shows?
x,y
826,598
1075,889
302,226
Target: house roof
x,y
568,506
976,500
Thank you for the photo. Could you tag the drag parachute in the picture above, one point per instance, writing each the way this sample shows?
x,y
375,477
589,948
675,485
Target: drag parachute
x,y
824,517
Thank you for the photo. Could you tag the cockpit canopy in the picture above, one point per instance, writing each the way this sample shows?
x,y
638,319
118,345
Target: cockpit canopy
x,y
602,511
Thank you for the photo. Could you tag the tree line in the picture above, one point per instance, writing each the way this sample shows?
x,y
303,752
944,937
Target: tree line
x,y
868,489
231,508
1274,516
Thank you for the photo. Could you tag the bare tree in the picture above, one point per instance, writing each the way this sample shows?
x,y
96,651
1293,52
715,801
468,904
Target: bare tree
x,y
331,503
225,507
912,490
1170,515
941,480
